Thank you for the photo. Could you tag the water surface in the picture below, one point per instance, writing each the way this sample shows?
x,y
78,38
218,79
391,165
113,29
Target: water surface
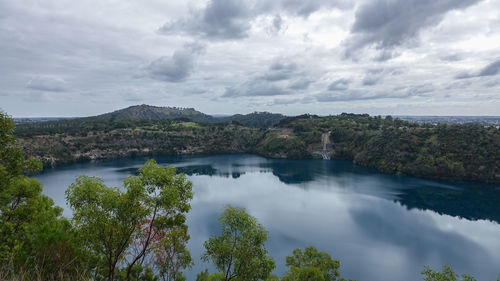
x,y
381,227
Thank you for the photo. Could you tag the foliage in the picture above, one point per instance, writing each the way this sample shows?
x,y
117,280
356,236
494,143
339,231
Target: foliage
x,y
447,275
170,253
239,252
111,221
36,240
459,152
311,265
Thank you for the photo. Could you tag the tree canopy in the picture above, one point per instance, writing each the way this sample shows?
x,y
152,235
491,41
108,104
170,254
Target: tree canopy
x,y
239,252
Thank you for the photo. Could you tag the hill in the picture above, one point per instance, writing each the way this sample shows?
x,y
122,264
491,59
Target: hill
x,y
255,119
148,112
142,115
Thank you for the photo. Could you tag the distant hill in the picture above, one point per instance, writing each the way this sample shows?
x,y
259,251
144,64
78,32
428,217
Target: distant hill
x,y
141,115
256,119
148,112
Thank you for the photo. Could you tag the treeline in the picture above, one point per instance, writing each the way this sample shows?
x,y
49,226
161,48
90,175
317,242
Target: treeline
x,y
135,233
461,152
139,117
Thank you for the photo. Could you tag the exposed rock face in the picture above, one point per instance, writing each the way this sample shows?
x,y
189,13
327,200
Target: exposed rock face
x,y
55,149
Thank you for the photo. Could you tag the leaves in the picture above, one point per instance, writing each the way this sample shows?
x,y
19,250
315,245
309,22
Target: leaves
x,y
446,275
239,252
127,225
311,265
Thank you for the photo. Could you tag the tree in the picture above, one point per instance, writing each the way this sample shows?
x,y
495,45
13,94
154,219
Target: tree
x,y
311,265
239,252
171,254
33,234
447,275
122,225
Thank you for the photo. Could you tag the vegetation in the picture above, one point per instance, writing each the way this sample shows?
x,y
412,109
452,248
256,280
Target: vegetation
x,y
459,152
124,226
33,233
143,116
311,265
134,233
239,252
447,275
138,233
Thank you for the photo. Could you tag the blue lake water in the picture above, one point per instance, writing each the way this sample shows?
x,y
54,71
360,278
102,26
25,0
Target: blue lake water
x,y
381,227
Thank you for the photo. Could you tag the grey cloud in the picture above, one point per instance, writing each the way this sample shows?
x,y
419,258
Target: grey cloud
x,y
300,84
280,70
220,19
254,89
195,47
177,67
491,84
231,19
339,85
344,96
386,24
292,101
353,95
271,82
285,101
47,83
372,77
303,8
464,75
421,90
172,69
458,85
489,70
451,58
277,25
386,55
376,75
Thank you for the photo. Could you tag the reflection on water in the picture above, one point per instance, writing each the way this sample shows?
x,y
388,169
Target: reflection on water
x,y
381,227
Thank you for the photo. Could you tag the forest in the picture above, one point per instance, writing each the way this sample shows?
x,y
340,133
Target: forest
x,y
468,152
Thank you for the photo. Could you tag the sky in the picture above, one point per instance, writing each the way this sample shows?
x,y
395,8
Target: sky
x,y
399,57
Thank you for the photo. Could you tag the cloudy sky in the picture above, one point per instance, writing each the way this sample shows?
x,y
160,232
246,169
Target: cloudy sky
x,y
414,57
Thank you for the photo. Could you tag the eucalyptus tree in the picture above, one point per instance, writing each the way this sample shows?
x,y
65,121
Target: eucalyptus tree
x,y
239,252
446,275
121,227
311,265
33,234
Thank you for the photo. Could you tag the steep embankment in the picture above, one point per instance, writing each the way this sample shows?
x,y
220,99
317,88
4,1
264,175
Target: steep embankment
x,y
176,138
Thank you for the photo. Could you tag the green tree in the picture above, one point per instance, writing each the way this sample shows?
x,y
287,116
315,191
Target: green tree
x,y
239,253
33,233
122,225
446,275
311,265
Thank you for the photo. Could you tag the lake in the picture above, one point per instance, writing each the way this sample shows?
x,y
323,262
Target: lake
x,y
381,227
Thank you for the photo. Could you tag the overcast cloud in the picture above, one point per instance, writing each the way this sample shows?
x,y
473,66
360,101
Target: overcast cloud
x,y
231,56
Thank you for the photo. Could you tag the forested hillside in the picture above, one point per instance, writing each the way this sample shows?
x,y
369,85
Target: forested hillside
x,y
142,115
460,152
465,152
